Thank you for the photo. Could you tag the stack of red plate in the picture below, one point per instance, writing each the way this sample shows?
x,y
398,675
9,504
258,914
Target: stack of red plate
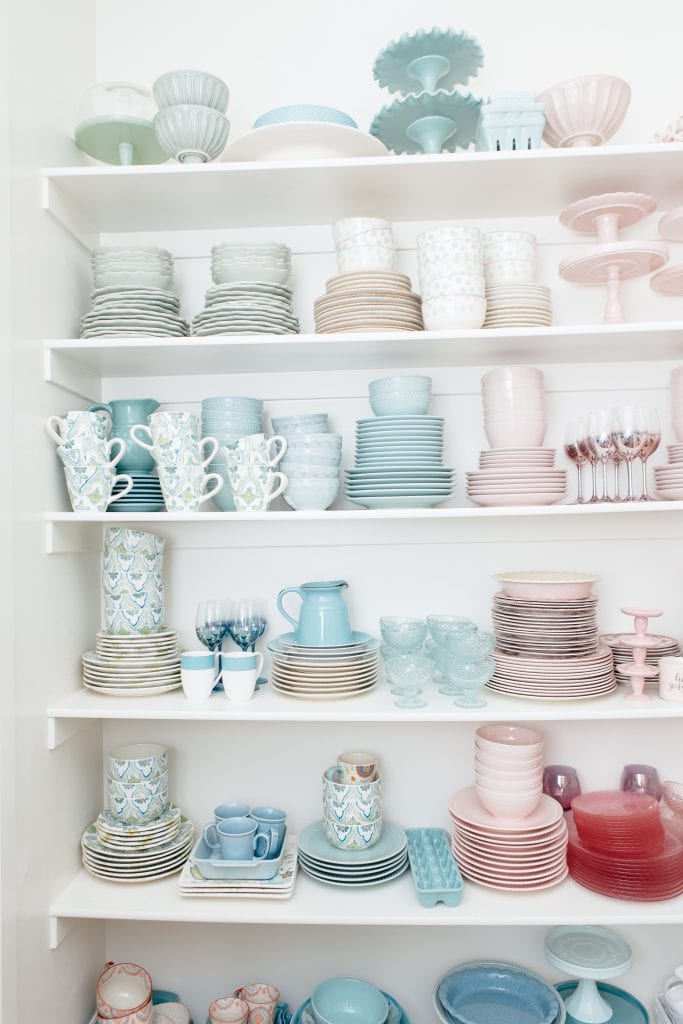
x,y
618,846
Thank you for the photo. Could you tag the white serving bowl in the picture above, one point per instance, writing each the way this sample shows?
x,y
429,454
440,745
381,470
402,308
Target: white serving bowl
x,y
190,86
453,233
514,249
457,284
350,226
584,111
502,271
454,312
508,806
190,133
366,257
380,236
522,434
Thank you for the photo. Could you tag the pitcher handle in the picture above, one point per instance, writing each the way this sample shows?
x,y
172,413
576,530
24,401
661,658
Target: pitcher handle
x,y
125,491
212,456
273,442
101,407
123,448
289,590
284,480
142,444
219,483
52,431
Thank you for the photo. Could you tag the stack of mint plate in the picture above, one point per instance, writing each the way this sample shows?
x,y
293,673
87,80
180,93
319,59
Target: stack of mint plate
x,y
383,862
145,495
399,463
247,307
133,294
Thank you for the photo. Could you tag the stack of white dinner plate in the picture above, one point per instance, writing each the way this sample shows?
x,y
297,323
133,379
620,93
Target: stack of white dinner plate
x,y
137,853
324,673
133,665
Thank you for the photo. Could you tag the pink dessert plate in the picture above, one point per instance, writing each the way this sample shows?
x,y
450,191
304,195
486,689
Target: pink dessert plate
x,y
671,225
668,281
590,216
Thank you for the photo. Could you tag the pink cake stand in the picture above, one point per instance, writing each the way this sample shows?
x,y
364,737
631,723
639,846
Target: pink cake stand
x,y
668,281
640,641
611,264
607,214
671,225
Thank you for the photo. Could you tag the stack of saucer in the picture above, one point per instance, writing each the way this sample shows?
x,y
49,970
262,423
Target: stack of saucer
x,y
137,853
145,495
513,299
247,307
324,673
669,478
133,294
135,665
384,861
372,300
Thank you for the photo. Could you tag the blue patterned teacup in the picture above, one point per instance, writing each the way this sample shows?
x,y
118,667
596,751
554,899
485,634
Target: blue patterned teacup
x,y
255,486
90,487
137,762
352,837
183,486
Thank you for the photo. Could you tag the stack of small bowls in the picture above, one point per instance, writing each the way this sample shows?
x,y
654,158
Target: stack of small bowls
x,y
251,261
508,764
401,396
513,299
137,783
228,419
514,407
342,1000
312,464
352,802
191,125
364,243
451,278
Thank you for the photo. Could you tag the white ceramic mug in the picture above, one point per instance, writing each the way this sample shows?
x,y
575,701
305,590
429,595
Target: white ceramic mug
x,y
671,679
239,672
197,674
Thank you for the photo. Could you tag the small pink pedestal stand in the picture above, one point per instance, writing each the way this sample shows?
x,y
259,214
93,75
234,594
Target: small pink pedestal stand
x,y
638,670
611,261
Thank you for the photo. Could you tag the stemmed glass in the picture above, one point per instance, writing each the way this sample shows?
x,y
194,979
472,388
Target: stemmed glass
x,y
628,428
211,624
248,621
571,447
651,444
601,443
590,456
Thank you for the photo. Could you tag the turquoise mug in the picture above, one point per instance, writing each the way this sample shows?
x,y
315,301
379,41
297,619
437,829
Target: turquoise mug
x,y
230,810
238,839
324,618
125,413
271,821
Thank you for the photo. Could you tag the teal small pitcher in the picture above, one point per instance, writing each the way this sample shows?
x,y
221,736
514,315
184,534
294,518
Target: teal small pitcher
x,y
324,618
125,413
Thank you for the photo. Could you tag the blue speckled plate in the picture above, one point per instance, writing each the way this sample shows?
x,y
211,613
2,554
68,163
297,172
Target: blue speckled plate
x,y
486,992
304,112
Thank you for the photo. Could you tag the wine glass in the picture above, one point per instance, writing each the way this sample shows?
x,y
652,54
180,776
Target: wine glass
x,y
601,443
641,778
211,625
571,447
628,428
590,456
651,444
561,782
248,621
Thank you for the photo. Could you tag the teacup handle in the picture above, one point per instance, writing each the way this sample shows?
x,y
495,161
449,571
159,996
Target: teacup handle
x,y
273,442
219,483
143,444
125,491
211,843
216,446
52,424
289,590
123,448
284,480
266,839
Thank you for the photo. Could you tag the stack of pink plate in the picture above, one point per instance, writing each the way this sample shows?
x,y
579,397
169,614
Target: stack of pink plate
x,y
506,833
556,678
518,470
669,478
618,846
665,647
545,629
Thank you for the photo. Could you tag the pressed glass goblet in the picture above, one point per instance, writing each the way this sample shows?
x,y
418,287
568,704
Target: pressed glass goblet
x,y
474,676
628,426
248,622
572,450
443,627
403,634
469,648
650,446
407,675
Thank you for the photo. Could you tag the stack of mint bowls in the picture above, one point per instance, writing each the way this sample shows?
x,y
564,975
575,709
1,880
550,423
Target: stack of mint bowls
x,y
229,418
191,125
312,460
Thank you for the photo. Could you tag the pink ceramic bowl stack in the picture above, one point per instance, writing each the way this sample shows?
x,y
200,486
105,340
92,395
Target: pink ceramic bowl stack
x,y
508,766
518,470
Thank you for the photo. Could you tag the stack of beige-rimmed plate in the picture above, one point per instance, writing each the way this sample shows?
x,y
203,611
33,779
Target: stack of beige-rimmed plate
x,y
373,300
577,678
324,673
518,305
133,666
138,861
545,629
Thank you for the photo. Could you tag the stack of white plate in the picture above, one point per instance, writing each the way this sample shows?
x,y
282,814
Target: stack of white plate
x,y
133,665
576,678
371,300
666,647
669,478
399,463
517,476
381,863
324,673
523,854
545,629
247,307
137,853
518,305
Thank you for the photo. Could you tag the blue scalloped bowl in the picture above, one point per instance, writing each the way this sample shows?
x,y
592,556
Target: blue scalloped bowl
x,y
304,112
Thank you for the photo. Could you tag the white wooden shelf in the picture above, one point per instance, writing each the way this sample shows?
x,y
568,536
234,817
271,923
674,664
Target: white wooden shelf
x,y
71,362
93,200
395,903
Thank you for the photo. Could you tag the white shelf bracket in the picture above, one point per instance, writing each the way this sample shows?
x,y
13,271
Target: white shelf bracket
x,y
61,730
58,369
59,928
69,538
69,216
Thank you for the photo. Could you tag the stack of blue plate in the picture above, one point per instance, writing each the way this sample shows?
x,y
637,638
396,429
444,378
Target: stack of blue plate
x,y
145,495
228,418
486,990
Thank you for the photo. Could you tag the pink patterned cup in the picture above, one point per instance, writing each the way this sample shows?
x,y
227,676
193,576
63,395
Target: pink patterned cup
x,y
261,1000
124,991
228,1010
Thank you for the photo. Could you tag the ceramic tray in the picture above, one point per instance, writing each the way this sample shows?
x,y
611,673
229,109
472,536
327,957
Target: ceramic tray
x,y
211,866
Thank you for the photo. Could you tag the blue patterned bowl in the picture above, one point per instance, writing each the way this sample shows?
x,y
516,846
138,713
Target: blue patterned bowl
x,y
352,837
304,112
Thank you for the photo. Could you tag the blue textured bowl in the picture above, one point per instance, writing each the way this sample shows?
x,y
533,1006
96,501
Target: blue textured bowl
x,y
304,112
486,993
416,404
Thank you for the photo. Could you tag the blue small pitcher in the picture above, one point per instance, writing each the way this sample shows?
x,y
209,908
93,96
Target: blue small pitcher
x,y
125,413
324,618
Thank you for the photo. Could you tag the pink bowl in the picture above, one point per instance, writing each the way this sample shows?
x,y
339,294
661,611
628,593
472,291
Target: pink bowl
x,y
584,111
516,374
522,434
511,737
508,806
517,788
512,774
549,586
483,762
512,416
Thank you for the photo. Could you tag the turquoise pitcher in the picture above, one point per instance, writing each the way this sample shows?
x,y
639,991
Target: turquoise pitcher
x,y
324,618
125,413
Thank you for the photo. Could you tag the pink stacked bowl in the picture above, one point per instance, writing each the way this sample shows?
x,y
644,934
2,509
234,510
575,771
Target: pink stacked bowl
x,y
514,407
508,762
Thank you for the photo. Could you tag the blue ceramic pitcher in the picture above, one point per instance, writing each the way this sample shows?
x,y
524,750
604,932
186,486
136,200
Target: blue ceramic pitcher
x,y
324,618
125,413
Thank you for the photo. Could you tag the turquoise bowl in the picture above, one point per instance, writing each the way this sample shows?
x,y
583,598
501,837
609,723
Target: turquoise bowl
x,y
304,112
401,404
348,1001
312,493
189,86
